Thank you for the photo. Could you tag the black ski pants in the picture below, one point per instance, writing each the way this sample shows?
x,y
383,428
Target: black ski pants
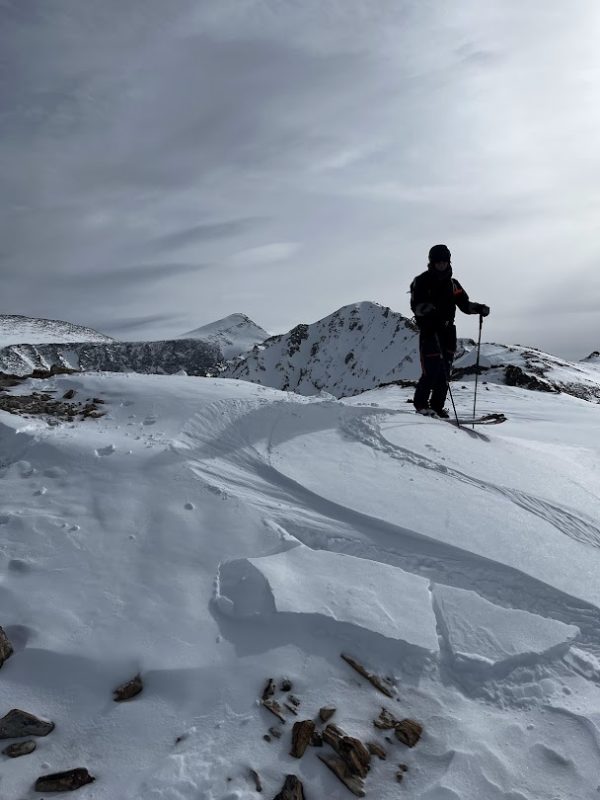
x,y
436,349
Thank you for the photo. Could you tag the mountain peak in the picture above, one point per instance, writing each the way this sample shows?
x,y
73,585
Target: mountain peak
x,y
234,334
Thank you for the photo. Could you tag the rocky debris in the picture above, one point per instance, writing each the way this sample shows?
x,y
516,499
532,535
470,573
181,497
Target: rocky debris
x,y
256,778
408,732
302,734
42,404
274,707
379,683
317,739
375,749
341,770
64,781
292,789
20,749
6,649
352,751
402,768
17,724
69,394
275,732
515,376
286,685
269,689
128,690
326,713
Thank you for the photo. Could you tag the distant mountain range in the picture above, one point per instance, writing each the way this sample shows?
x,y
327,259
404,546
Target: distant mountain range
x,y
357,348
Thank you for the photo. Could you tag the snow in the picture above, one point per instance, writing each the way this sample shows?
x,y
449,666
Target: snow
x,y
483,633
374,596
16,329
119,543
234,335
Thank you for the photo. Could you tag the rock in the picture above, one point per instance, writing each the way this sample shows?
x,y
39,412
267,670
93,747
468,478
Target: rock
x,y
128,690
326,713
269,689
352,751
376,750
18,724
275,732
317,739
409,732
274,707
302,734
385,721
256,779
341,770
64,781
286,685
69,394
292,789
20,749
6,649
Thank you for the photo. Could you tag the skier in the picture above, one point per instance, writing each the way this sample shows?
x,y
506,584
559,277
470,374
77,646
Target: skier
x,y
434,295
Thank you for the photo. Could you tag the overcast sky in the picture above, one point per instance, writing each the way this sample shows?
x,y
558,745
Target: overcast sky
x,y
164,163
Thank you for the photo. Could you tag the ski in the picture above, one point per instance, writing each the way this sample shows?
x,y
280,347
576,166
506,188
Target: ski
x,y
485,419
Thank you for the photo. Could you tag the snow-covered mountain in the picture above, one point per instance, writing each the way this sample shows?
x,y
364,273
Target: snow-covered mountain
x,y
358,347
15,329
205,536
234,335
366,345
194,356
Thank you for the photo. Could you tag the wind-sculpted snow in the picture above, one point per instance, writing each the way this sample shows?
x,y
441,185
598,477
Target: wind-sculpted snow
x,y
370,595
485,635
211,534
193,356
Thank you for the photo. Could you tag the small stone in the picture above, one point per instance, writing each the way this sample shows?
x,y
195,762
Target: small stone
x,y
128,690
408,732
18,724
20,749
64,781
286,685
275,732
266,737
6,649
326,713
69,394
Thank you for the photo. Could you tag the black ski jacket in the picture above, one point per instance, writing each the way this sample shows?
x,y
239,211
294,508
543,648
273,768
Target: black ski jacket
x,y
434,298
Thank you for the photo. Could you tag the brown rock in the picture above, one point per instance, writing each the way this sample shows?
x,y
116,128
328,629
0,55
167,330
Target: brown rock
x,y
64,781
128,690
385,721
376,750
20,749
379,683
326,713
292,789
352,751
17,724
341,770
5,647
302,734
274,707
409,732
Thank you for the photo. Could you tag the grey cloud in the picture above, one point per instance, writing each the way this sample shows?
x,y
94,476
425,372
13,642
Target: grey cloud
x,y
202,233
141,275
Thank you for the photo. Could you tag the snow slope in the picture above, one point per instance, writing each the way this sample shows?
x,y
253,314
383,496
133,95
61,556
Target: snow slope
x,y
213,533
233,335
17,329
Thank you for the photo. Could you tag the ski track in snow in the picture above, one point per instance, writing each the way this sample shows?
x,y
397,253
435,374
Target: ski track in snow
x,y
237,456
367,431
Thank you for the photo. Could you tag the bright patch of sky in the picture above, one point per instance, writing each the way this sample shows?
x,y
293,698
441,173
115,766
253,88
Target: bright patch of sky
x,y
164,165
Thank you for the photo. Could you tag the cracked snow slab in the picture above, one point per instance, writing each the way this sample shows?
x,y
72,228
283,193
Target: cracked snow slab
x,y
377,597
482,633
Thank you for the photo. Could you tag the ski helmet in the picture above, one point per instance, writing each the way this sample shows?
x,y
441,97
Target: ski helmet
x,y
439,252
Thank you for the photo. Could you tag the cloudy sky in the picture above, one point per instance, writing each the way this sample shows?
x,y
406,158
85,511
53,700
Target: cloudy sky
x,y
164,163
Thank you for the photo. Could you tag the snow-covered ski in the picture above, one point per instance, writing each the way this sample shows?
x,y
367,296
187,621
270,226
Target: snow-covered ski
x,y
485,419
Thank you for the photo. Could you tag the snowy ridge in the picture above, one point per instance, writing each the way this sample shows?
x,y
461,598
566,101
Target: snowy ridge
x,y
233,335
354,349
16,329
211,533
193,356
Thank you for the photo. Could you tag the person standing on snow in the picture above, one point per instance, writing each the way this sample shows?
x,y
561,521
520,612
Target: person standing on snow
x,y
434,296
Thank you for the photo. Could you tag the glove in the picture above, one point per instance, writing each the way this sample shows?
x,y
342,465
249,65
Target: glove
x,y
480,308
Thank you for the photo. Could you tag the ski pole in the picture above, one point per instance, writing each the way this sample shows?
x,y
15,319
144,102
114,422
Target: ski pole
x,y
437,339
477,367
